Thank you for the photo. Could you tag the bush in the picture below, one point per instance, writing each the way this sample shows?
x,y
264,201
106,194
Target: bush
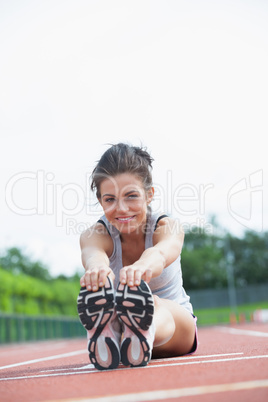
x,y
23,294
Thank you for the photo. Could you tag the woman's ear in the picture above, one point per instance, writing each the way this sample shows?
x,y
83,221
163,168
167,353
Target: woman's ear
x,y
150,195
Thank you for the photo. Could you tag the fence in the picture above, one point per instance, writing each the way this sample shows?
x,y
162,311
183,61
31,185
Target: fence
x,y
208,298
21,328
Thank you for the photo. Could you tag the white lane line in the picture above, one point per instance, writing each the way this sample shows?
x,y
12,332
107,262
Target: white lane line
x,y
44,359
51,375
175,393
211,361
91,366
88,366
237,331
187,357
167,360
150,366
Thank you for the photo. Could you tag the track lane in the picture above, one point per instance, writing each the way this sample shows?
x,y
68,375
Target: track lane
x,y
223,358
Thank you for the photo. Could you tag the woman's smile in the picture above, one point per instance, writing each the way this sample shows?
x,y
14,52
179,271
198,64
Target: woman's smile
x,y
125,219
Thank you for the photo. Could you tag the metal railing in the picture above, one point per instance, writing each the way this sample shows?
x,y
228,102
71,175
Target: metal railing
x,y
22,328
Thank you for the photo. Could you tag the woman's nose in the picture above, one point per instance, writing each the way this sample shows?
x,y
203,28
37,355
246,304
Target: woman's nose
x,y
122,206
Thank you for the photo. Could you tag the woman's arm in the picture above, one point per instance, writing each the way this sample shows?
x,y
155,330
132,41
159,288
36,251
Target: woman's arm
x,y
167,245
96,246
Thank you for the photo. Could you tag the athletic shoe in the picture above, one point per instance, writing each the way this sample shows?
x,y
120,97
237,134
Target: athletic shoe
x,y
135,307
97,314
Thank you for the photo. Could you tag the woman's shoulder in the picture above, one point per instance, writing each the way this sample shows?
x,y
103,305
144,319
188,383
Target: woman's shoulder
x,y
167,225
162,219
96,236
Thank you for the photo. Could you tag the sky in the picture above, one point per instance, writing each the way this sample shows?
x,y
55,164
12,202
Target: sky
x,y
185,78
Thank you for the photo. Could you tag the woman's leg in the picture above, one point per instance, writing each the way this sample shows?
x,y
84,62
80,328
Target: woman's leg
x,y
174,329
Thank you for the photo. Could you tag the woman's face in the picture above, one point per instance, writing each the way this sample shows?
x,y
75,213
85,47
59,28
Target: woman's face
x,y
124,201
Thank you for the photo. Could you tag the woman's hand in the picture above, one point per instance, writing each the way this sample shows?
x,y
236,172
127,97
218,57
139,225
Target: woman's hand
x,y
132,274
93,279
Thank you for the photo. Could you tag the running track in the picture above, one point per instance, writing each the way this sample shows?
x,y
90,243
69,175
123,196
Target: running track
x,y
231,364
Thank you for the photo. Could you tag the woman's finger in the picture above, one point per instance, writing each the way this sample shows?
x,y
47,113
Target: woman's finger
x,y
123,276
147,275
137,277
103,273
82,281
130,277
94,276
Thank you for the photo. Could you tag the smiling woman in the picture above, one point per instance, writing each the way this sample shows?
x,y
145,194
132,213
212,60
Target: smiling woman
x,y
138,252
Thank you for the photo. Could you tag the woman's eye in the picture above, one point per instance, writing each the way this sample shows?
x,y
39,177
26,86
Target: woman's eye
x,y
109,199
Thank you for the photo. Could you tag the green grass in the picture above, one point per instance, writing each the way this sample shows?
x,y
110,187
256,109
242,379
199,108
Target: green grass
x,y
226,315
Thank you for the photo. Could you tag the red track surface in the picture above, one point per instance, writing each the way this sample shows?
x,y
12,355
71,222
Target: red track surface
x,y
231,364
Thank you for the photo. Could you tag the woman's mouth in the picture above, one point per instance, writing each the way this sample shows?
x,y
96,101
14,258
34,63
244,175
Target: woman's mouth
x,y
125,219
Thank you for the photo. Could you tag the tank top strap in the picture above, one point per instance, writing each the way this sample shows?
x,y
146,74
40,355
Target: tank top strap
x,y
152,221
158,219
104,224
113,232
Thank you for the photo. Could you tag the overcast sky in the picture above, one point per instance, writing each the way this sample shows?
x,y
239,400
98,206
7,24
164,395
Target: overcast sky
x,y
187,79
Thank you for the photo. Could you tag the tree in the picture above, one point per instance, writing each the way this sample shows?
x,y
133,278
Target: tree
x,y
205,258
250,258
203,263
16,262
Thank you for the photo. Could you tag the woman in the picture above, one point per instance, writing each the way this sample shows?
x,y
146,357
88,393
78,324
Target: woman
x,y
138,253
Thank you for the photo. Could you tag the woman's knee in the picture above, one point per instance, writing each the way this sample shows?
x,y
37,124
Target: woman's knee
x,y
164,323
175,328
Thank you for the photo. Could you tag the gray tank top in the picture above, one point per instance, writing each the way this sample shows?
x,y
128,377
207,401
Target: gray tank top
x,y
169,284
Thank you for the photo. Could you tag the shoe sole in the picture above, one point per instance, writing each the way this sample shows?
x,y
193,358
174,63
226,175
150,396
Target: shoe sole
x,y
135,307
95,310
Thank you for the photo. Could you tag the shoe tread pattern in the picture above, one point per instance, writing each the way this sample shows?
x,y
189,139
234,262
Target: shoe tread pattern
x,y
137,315
89,311
91,315
141,312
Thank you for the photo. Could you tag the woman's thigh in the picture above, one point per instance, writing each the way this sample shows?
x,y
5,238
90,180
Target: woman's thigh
x,y
175,329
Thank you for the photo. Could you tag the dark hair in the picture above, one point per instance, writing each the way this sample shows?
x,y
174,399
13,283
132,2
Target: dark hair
x,y
123,158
